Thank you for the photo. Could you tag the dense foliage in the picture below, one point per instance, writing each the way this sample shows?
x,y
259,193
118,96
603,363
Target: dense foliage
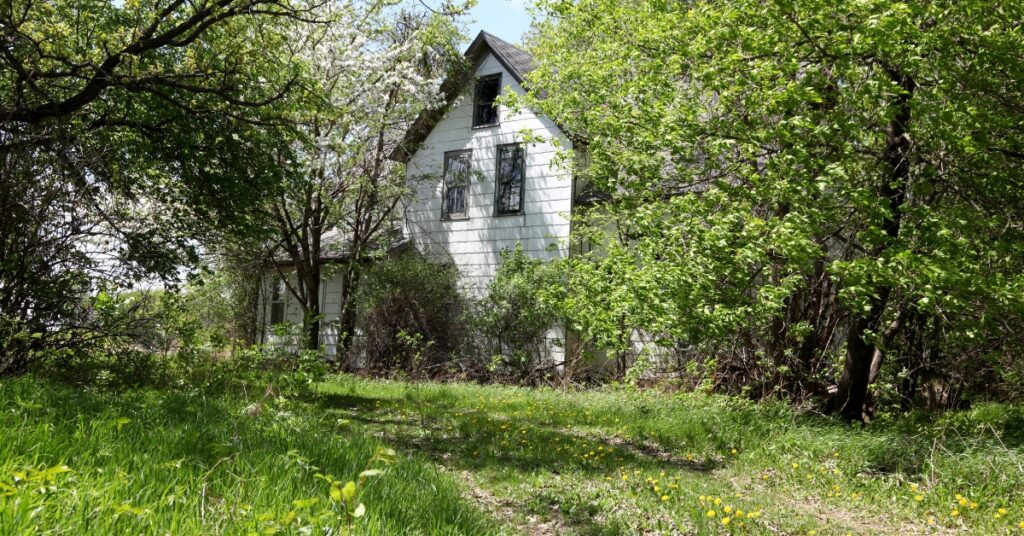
x,y
810,196
408,319
130,131
510,324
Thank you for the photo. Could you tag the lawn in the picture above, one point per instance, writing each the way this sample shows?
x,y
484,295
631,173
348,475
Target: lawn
x,y
474,459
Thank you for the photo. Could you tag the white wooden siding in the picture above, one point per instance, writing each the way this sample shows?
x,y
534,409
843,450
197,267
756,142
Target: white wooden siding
x,y
330,307
474,245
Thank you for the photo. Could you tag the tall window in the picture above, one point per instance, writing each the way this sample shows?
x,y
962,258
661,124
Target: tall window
x,y
485,111
509,180
277,302
456,184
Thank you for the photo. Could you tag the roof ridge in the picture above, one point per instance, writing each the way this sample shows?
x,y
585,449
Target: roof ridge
x,y
516,59
502,41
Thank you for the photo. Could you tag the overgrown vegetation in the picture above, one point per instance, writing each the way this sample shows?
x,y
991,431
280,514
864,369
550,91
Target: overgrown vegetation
x,y
624,461
510,325
801,209
409,310
809,198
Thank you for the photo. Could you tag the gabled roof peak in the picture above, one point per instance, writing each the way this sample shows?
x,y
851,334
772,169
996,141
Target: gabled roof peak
x,y
516,61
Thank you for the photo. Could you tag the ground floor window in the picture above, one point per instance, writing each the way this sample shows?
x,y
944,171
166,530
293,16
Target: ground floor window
x,y
277,302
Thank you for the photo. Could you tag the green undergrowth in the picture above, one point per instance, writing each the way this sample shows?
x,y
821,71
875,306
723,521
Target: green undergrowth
x,y
145,461
470,459
619,461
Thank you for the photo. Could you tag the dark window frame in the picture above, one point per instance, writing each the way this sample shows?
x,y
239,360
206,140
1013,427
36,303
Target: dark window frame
x,y
278,308
464,215
476,101
497,180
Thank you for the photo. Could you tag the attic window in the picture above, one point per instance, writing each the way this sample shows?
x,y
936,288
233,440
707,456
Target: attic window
x,y
485,111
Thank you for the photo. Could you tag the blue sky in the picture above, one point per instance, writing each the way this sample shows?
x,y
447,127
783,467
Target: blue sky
x,y
507,19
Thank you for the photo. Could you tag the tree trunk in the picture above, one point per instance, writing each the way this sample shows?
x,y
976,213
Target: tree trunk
x,y
860,350
312,320
347,316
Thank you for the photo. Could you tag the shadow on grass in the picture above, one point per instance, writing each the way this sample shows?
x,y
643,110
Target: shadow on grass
x,y
217,443
480,440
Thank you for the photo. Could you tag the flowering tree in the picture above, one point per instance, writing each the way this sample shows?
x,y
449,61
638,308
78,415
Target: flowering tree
x,y
377,66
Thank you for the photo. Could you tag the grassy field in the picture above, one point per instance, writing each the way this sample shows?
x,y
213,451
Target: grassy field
x,y
184,463
492,460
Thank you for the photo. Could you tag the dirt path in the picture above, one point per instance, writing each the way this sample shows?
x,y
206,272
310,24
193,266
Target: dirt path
x,y
510,513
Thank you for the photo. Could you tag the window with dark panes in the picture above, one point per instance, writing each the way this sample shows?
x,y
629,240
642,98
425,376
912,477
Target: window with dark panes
x,y
456,184
485,111
277,302
509,180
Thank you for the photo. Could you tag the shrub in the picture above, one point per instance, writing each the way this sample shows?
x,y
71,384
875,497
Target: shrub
x,y
408,310
512,321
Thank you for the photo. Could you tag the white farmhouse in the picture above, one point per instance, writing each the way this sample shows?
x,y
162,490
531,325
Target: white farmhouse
x,y
479,186
483,177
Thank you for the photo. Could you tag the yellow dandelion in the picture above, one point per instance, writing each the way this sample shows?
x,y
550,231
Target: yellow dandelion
x,y
718,502
725,520
1002,511
727,509
963,502
918,498
955,512
664,497
931,520
711,513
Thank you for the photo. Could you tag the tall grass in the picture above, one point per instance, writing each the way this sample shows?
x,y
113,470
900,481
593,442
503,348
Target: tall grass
x,y
84,461
804,472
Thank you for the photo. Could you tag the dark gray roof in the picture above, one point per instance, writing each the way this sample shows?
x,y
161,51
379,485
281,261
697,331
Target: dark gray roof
x,y
516,61
337,248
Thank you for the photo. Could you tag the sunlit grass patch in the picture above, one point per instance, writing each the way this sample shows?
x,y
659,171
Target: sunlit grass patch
x,y
616,461
159,462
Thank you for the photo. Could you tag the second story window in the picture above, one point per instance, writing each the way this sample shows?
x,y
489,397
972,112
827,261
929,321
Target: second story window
x,y
485,111
509,179
456,184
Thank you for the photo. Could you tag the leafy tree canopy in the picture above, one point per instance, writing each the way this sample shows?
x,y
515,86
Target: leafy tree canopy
x,y
789,176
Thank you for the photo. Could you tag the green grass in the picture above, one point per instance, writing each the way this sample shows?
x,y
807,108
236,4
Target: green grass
x,y
169,462
491,460
628,462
